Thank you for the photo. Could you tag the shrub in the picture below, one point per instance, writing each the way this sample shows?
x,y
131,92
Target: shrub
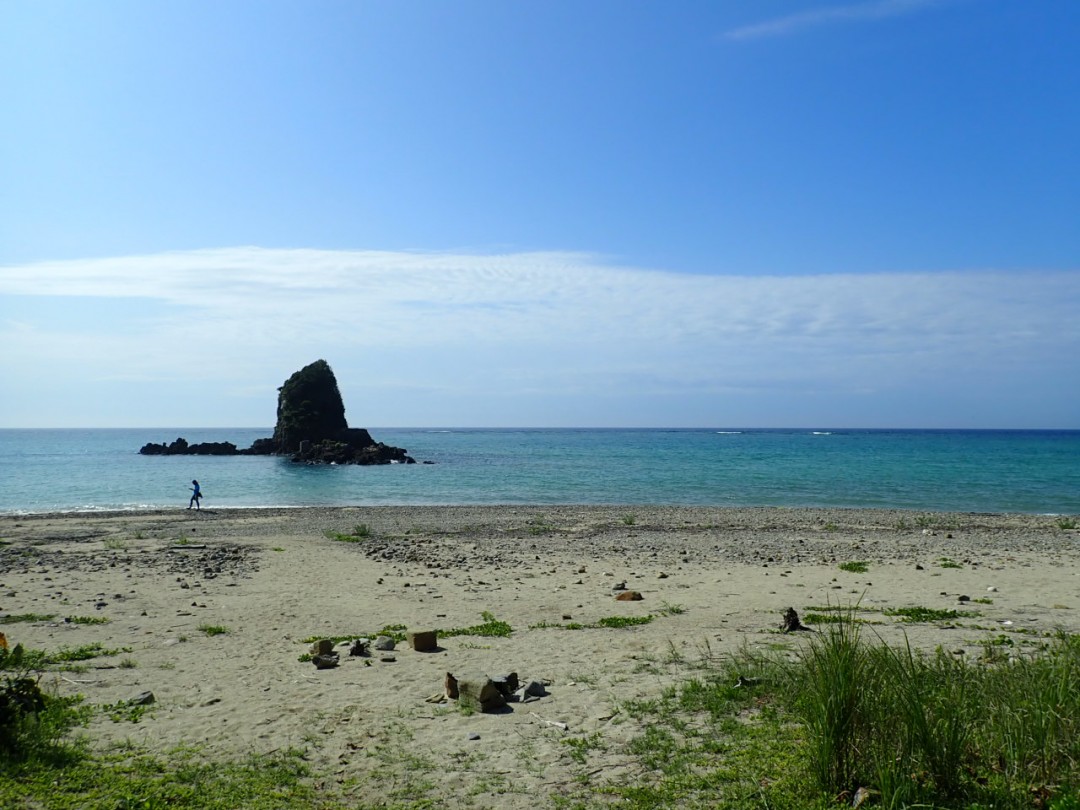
x,y
31,720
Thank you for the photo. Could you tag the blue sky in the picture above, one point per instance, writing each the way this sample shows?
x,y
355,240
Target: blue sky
x,y
853,213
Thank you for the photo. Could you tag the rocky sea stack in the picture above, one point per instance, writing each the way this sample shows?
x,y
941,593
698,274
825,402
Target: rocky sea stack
x,y
310,427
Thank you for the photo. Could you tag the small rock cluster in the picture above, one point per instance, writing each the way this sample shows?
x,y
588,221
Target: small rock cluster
x,y
487,693
490,693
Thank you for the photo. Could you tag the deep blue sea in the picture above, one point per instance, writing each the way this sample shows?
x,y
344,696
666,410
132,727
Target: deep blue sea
x,y
940,470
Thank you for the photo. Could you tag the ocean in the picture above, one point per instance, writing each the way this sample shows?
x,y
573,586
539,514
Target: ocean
x,y
1032,471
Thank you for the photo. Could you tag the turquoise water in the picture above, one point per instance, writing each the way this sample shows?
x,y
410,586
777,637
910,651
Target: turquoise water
x,y
981,471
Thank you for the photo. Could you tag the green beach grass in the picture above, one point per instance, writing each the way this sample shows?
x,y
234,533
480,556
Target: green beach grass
x,y
840,716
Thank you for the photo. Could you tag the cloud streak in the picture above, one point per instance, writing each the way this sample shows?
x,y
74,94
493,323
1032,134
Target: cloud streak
x,y
430,338
861,12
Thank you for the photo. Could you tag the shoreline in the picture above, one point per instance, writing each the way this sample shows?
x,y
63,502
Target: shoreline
x,y
714,580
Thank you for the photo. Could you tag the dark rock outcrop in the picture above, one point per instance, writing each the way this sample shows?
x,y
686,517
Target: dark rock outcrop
x,y
310,427
180,447
310,409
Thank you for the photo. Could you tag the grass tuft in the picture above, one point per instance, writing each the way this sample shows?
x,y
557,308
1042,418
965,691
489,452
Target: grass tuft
x,y
854,567
925,614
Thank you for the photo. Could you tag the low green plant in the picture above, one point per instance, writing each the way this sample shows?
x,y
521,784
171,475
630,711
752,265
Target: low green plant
x,y
580,747
607,621
1067,523
624,621
629,520
920,729
84,652
925,614
33,721
538,526
854,567
361,531
828,618
945,562
87,620
667,609
213,629
127,777
124,711
394,631
491,627
115,544
27,617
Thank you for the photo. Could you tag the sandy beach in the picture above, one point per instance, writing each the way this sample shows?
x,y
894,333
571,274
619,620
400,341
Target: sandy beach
x,y
714,580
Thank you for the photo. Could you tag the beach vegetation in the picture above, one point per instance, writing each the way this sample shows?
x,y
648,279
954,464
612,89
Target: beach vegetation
x,y
668,609
624,621
33,721
854,567
491,627
394,631
629,520
810,618
361,531
1067,524
539,525
87,619
607,621
126,776
848,716
115,543
124,711
945,562
580,747
85,652
213,629
27,617
929,615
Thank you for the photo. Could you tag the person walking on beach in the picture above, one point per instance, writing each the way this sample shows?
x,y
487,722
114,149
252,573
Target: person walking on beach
x,y
196,494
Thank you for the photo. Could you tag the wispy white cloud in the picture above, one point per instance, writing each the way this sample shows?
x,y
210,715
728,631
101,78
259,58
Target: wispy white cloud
x,y
793,23
427,338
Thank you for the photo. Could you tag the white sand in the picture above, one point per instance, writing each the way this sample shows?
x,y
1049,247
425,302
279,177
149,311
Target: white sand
x,y
730,573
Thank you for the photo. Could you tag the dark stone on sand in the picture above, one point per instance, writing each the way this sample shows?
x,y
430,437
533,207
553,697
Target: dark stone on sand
x,y
325,661
423,640
791,622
